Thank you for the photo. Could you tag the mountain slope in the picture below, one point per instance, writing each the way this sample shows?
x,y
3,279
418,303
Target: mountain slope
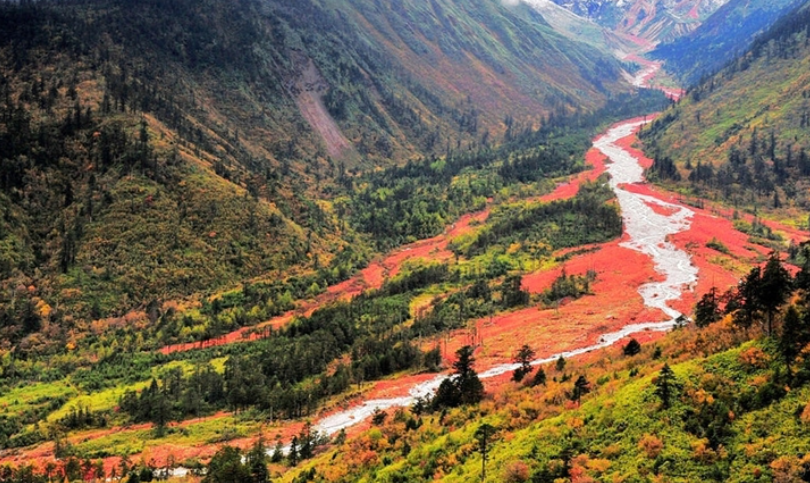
x,y
743,134
702,404
728,32
160,149
501,57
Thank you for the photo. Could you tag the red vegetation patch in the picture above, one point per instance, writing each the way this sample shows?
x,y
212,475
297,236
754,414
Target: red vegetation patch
x,y
396,387
705,227
627,143
661,210
575,323
374,274
593,158
372,277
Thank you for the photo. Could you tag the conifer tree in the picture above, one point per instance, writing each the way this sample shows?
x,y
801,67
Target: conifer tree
x,y
524,357
539,377
581,388
483,434
774,288
707,310
666,386
632,348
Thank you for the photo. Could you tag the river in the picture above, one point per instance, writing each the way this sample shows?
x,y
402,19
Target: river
x,y
647,232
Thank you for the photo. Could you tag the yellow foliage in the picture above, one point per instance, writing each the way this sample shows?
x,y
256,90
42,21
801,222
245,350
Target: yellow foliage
x,y
751,449
599,465
43,309
530,409
575,423
514,248
703,397
759,380
612,451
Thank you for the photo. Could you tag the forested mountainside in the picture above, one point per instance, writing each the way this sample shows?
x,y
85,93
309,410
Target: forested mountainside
x,y
725,399
377,240
651,20
158,149
742,135
725,34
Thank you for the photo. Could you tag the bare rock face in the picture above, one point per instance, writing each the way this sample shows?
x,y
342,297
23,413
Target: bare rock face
x,y
651,20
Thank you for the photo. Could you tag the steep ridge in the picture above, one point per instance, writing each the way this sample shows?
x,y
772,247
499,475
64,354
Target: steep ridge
x,y
726,33
741,135
652,20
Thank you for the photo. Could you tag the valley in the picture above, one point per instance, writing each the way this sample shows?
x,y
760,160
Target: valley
x,y
415,239
639,298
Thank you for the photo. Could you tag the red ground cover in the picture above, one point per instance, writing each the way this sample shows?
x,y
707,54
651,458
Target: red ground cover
x,y
574,323
593,158
371,277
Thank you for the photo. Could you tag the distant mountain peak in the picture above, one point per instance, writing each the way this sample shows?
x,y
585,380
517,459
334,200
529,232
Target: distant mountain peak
x,y
651,20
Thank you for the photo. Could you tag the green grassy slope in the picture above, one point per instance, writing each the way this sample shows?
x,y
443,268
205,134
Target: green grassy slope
x,y
732,417
749,123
